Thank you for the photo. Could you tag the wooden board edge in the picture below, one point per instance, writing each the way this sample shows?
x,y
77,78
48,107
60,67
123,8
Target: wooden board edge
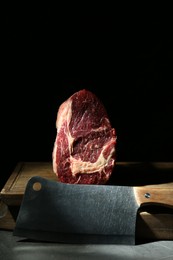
x,y
12,179
7,221
152,227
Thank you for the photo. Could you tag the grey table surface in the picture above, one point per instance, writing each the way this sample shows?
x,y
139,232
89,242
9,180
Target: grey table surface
x,y
12,248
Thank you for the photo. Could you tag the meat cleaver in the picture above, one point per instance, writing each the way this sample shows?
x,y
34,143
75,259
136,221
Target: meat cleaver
x,y
80,213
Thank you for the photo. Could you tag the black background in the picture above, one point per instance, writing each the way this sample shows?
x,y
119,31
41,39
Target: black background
x,y
49,55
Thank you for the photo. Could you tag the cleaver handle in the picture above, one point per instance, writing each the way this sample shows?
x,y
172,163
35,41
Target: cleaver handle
x,y
161,194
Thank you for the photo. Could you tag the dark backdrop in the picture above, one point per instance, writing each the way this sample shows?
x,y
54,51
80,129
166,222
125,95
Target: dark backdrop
x,y
49,56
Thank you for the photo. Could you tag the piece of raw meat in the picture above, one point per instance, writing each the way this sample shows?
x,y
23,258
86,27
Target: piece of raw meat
x,y
85,145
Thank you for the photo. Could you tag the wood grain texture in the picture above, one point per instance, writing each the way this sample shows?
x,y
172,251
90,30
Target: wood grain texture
x,y
160,194
154,226
12,192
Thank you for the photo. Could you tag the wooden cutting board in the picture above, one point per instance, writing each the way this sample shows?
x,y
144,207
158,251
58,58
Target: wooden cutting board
x,y
12,192
152,224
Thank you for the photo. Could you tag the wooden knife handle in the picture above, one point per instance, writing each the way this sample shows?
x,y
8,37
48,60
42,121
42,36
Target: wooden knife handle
x,y
160,194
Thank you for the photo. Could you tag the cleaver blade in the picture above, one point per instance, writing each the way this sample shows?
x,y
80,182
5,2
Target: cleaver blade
x,y
77,213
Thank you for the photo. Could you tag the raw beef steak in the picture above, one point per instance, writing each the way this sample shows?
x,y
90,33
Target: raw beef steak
x,y
84,148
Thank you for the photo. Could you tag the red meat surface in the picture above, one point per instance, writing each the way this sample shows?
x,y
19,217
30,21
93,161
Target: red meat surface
x,y
84,150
